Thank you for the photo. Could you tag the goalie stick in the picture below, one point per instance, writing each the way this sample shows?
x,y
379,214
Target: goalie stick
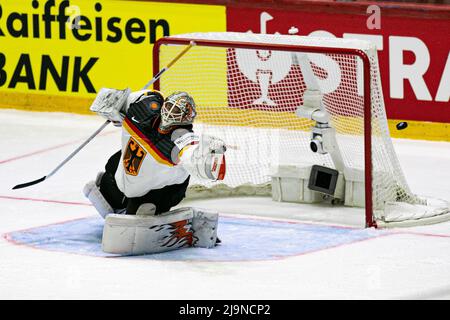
x,y
155,78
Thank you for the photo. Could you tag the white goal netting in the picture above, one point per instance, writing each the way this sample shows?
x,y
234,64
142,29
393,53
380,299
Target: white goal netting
x,y
249,98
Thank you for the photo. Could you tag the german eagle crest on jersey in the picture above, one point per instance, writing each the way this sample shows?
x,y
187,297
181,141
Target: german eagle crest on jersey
x,y
133,158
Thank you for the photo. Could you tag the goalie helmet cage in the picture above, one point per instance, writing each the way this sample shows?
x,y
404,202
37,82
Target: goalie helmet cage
x,y
226,72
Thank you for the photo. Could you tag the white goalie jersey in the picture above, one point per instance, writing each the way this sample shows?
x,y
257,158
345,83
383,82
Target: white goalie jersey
x,y
152,159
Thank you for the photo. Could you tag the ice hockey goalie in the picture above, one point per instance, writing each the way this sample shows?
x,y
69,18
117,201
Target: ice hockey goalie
x,y
151,173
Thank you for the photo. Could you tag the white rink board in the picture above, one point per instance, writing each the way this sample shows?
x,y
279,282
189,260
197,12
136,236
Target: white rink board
x,y
403,263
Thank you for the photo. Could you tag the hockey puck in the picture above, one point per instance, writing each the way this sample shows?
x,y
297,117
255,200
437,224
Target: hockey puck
x,y
402,125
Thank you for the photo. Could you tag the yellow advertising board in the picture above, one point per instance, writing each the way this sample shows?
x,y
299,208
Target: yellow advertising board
x,y
55,55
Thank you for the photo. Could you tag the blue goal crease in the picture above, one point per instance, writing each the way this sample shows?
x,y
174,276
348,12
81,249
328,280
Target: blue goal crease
x,y
242,239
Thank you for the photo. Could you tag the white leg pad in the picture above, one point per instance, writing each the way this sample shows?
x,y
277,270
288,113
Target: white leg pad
x,y
205,228
92,192
143,234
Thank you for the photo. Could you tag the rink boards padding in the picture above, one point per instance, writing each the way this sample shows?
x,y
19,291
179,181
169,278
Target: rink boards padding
x,y
243,239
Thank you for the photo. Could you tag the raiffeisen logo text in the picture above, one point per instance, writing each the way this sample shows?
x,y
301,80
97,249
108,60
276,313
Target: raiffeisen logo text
x,y
70,20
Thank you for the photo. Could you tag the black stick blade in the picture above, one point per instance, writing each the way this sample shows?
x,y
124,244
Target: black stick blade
x,y
24,185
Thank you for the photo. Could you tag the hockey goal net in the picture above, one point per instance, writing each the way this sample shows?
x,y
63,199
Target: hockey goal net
x,y
250,90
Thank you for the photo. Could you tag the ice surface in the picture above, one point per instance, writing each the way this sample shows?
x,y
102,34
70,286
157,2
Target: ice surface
x,y
302,260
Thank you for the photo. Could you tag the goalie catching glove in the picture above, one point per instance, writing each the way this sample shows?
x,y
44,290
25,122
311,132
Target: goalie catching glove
x,y
111,104
206,160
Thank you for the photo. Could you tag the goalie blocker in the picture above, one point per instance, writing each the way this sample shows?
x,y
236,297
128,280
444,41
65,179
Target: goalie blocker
x,y
146,233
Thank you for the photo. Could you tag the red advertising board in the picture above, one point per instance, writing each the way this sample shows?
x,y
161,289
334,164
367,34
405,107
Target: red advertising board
x,y
413,52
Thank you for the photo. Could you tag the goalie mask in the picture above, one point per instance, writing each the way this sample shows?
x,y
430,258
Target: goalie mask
x,y
178,109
